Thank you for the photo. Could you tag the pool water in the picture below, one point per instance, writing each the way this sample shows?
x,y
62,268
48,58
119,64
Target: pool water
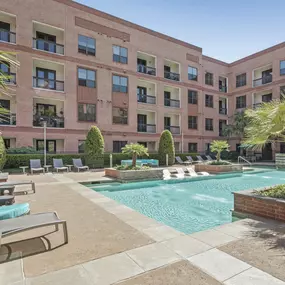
x,y
192,205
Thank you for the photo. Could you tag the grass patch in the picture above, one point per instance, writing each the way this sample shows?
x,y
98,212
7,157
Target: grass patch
x,y
221,162
130,167
277,191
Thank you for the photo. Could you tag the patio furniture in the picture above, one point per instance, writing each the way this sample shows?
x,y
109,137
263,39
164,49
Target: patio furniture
x,y
13,211
180,173
7,200
58,165
47,167
200,159
69,167
192,160
4,176
77,163
16,183
35,165
24,168
209,158
9,188
180,161
193,173
168,175
17,225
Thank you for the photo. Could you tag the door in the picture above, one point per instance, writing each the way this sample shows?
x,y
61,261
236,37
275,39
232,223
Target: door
x,y
142,123
4,32
267,152
46,42
167,123
141,65
50,146
167,96
46,110
45,78
141,94
266,76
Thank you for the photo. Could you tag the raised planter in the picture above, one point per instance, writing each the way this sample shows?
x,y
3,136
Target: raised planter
x,y
218,168
250,202
134,175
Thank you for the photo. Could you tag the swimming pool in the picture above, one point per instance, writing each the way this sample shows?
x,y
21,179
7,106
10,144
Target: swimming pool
x,y
189,206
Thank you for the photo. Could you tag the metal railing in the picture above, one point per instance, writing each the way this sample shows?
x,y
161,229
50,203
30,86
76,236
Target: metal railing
x,y
51,121
263,80
173,129
223,89
11,78
48,46
171,75
46,83
223,111
146,99
146,69
242,158
172,103
7,36
120,120
147,128
7,118
86,117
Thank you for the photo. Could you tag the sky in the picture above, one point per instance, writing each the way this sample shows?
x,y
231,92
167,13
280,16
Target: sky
x,y
225,29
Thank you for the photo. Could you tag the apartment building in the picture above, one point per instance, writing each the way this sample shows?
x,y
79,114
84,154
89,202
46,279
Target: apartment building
x,y
81,67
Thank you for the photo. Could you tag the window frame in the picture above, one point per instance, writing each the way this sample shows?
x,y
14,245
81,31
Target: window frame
x,y
282,61
240,83
87,50
238,104
121,144
85,117
86,80
195,148
122,117
120,88
191,75
193,100
211,80
119,56
209,103
47,144
191,124
209,127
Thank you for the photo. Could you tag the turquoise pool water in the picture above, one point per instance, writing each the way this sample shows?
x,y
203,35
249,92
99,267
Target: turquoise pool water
x,y
189,206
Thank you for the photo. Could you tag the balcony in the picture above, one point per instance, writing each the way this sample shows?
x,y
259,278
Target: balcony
x,y
146,92
223,111
47,38
146,128
172,76
262,76
146,99
171,103
261,97
173,129
146,121
263,80
171,97
51,121
223,103
146,63
223,84
7,111
171,70
7,28
7,118
172,123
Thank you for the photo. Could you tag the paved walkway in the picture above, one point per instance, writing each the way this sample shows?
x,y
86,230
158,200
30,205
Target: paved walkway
x,y
164,255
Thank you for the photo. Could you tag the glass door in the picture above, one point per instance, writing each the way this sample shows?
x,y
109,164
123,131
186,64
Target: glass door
x,y
46,78
142,123
141,94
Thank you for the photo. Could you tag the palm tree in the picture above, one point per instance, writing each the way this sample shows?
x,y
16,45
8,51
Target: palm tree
x,y
218,147
237,127
266,125
135,150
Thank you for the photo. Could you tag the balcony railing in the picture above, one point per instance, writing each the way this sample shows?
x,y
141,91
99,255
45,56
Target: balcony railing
x,y
7,118
11,78
48,84
7,36
86,117
173,129
171,75
120,120
51,121
172,103
146,99
263,80
223,111
146,69
146,128
48,46
223,89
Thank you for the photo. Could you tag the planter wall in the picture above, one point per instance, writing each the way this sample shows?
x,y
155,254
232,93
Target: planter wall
x,y
218,168
249,203
134,175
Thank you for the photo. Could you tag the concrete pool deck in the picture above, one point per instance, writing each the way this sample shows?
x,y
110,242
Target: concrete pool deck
x,y
113,244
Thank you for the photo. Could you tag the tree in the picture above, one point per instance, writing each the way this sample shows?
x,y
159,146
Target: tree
x,y
135,150
237,128
94,147
166,146
2,153
218,147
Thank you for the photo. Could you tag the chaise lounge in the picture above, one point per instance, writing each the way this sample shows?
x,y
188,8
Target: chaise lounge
x,y
58,165
77,163
35,165
180,161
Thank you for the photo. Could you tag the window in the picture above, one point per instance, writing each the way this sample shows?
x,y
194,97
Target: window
x,y
87,77
192,122
209,124
50,145
192,97
120,116
120,54
5,69
241,102
282,92
45,78
120,84
86,112
117,145
241,80
192,147
192,73
143,143
81,145
209,78
282,67
86,45
7,143
209,101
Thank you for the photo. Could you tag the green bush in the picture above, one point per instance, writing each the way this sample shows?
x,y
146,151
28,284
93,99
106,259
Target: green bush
x,y
277,191
230,155
2,153
166,146
94,147
23,150
220,162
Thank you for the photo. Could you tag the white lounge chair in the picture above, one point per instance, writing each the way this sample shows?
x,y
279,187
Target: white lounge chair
x,y
180,173
35,165
193,173
77,163
166,174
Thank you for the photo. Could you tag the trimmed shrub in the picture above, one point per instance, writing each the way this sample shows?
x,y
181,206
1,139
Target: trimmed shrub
x,y
2,153
166,146
23,150
94,147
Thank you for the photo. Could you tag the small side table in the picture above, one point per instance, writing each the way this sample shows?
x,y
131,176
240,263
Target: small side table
x,y
24,168
47,167
69,166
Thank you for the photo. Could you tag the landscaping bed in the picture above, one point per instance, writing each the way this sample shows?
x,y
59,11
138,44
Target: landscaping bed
x,y
218,167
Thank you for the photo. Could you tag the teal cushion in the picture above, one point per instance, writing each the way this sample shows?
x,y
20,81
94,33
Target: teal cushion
x,y
13,211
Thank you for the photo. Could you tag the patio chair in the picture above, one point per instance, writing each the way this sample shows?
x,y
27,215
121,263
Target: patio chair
x,y
190,159
200,159
17,225
180,161
58,164
180,173
209,158
193,173
77,163
10,186
168,175
35,165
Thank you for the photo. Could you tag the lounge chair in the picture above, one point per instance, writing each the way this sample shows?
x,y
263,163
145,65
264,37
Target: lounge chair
x,y
190,159
180,173
168,175
11,185
77,163
35,165
180,161
17,225
193,173
209,158
200,159
13,211
58,164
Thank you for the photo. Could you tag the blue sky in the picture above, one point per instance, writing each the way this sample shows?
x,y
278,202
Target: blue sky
x,y
225,29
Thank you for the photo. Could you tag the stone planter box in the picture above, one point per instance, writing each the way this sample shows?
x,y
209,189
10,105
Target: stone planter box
x,y
134,175
249,202
218,168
